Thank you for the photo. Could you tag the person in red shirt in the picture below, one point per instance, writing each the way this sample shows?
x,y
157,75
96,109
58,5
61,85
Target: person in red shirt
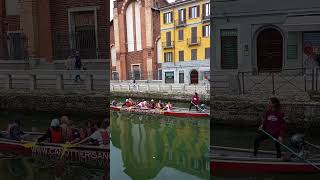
x,y
273,123
195,102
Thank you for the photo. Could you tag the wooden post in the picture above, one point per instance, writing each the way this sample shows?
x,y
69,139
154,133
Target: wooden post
x,y
59,82
33,82
8,83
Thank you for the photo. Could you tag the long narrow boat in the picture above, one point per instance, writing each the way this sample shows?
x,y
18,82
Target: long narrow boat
x,y
226,159
177,112
92,156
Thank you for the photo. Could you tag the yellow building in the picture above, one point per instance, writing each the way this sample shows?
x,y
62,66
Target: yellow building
x,y
185,37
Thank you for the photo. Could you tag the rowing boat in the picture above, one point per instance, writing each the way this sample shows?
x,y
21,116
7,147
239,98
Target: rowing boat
x,y
226,159
93,156
176,112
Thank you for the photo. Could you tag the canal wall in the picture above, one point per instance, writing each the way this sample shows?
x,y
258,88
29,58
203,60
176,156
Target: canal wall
x,y
241,111
94,103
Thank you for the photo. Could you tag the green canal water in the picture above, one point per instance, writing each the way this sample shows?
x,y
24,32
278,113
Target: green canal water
x,y
21,168
157,147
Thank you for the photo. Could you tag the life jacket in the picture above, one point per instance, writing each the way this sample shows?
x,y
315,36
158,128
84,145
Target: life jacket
x,y
128,104
69,135
105,137
56,136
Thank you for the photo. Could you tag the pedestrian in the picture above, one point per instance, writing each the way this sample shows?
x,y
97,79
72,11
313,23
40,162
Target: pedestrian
x,y
78,67
274,124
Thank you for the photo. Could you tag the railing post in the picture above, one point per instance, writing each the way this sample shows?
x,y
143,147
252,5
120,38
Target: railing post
x,y
239,84
59,82
33,82
317,79
148,87
273,90
312,79
159,87
89,84
170,88
8,83
243,87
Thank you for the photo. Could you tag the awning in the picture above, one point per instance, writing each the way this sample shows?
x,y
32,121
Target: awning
x,y
303,23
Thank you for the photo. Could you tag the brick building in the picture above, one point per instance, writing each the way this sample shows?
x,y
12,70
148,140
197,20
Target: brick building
x,y
53,29
136,49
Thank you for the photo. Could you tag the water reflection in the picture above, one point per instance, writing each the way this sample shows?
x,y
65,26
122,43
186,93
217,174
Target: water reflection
x,y
151,147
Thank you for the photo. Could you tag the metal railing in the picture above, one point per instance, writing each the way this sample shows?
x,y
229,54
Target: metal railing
x,y
194,41
277,82
168,45
54,79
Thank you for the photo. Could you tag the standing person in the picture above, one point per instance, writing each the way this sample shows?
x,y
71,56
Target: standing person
x,y
78,67
54,133
195,101
273,123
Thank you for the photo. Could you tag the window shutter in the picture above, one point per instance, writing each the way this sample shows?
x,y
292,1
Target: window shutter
x,y
198,10
184,15
164,18
190,12
203,31
171,20
203,10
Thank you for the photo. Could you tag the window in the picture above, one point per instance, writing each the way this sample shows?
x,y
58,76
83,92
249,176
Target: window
x,y
168,57
206,31
160,74
113,56
167,18
292,45
182,16
136,72
194,12
115,75
181,35
16,43
229,49
181,77
206,10
169,77
207,53
194,35
168,39
181,55
12,7
193,54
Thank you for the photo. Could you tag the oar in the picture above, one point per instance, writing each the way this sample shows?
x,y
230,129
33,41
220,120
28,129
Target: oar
x,y
198,106
30,145
307,161
66,146
313,145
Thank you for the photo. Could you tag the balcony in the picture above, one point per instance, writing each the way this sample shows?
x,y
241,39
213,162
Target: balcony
x,y
168,45
181,23
205,18
194,41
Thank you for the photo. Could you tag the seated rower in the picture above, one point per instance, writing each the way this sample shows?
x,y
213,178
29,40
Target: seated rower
x,y
152,104
159,105
14,131
72,134
143,105
127,103
91,127
54,133
101,137
168,107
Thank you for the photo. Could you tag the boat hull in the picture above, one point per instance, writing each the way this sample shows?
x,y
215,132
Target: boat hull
x,y
85,155
159,112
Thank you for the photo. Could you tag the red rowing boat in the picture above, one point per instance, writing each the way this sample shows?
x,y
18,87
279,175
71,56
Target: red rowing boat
x,y
226,159
177,112
92,156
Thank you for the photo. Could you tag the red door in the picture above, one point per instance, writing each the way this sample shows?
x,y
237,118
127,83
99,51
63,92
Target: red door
x,y
269,50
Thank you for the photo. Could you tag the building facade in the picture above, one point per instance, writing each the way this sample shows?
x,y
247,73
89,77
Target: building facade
x,y
261,36
136,36
185,37
53,29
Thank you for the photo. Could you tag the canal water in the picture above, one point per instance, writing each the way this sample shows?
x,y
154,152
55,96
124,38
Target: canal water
x,y
243,138
156,147
21,168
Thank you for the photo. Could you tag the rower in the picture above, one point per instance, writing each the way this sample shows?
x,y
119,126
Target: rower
x,y
152,104
168,107
143,104
101,137
54,133
127,103
159,105
195,101
14,131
